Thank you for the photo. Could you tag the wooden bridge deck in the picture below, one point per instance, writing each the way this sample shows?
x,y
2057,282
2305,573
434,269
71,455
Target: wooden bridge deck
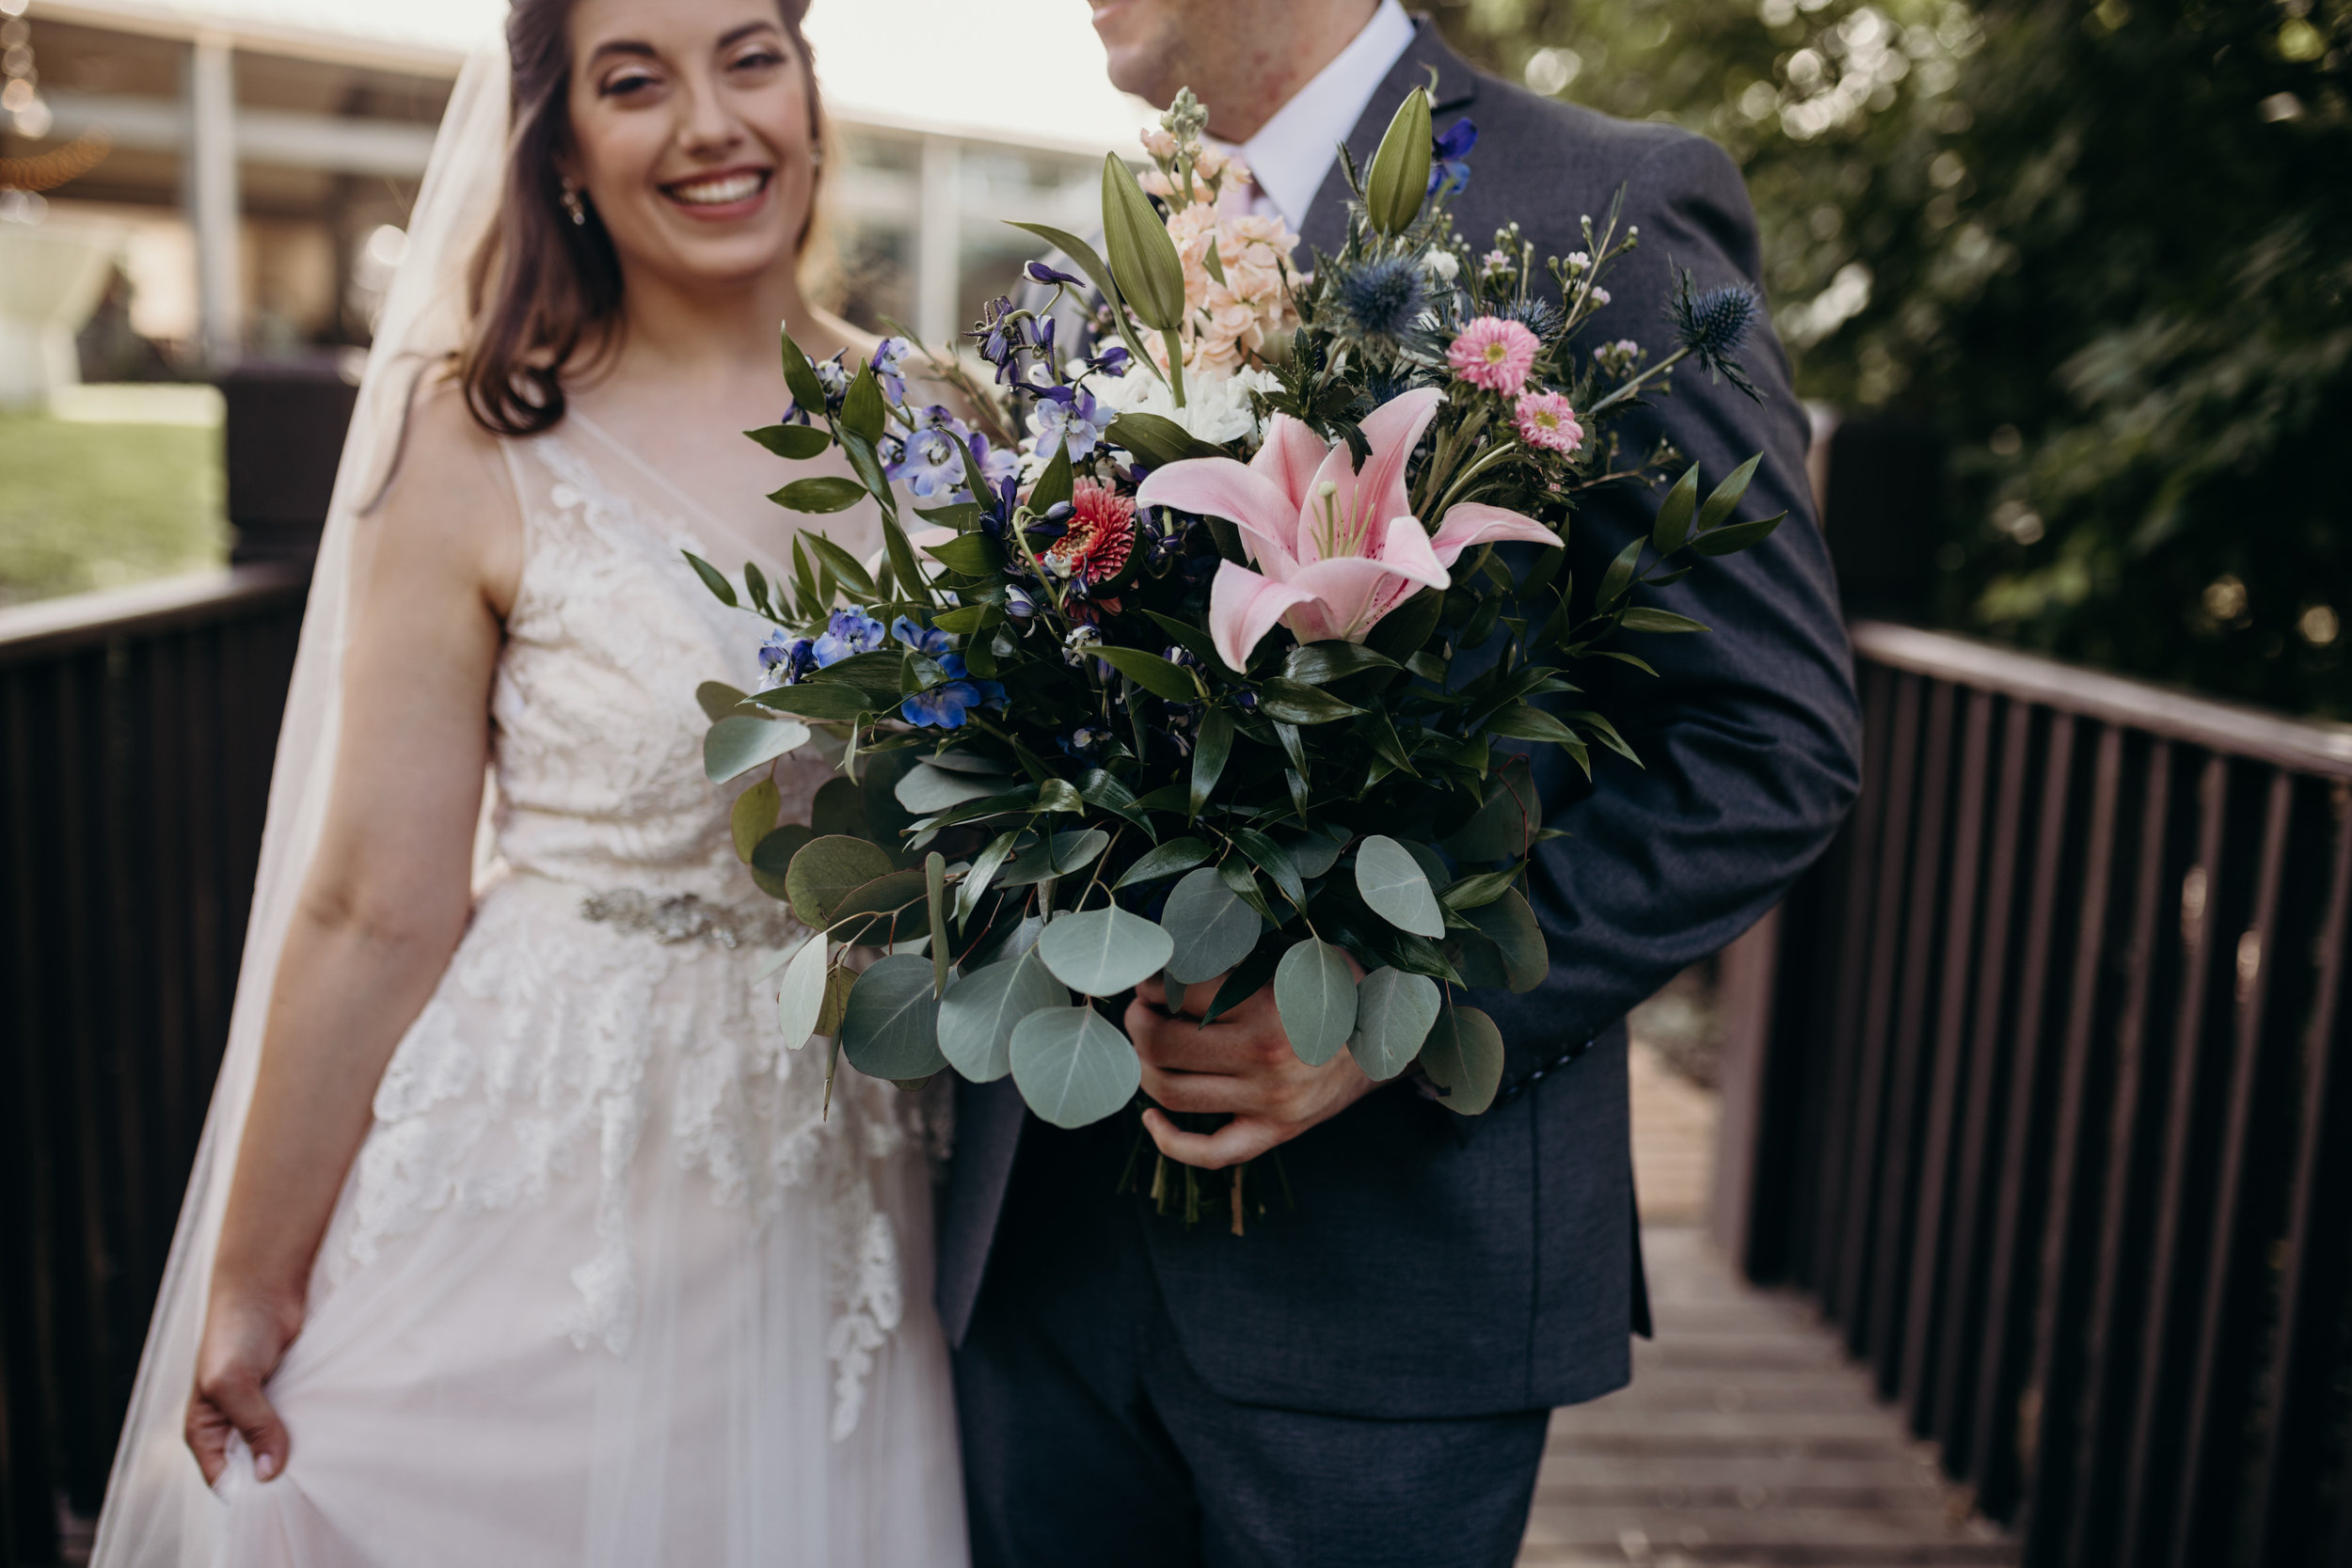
x,y
1747,1437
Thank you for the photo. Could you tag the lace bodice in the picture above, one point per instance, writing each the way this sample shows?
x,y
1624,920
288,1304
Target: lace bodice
x,y
560,1048
599,740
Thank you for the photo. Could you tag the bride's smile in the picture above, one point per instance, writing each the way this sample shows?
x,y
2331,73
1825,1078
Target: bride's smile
x,y
692,137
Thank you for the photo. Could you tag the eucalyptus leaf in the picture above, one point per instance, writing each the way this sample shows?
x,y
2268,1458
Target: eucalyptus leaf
x,y
826,871
890,1028
1209,927
1073,1066
1314,992
1468,892
801,1001
1314,853
1104,952
717,699
978,1017
753,815
840,808
925,788
741,742
771,858
1463,1056
1393,1012
887,912
826,700
1395,888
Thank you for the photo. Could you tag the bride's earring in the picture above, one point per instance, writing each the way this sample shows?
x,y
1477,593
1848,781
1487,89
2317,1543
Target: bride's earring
x,y
816,156
572,203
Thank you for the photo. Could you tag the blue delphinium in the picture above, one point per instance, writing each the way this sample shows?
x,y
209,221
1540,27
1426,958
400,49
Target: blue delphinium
x,y
783,659
889,367
847,632
942,705
1070,414
1714,323
933,461
1384,297
1449,171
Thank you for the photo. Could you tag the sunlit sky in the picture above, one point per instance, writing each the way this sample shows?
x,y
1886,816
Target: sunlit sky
x,y
1026,69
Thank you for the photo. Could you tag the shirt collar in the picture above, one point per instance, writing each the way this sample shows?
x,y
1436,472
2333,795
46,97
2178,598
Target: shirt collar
x,y
1293,152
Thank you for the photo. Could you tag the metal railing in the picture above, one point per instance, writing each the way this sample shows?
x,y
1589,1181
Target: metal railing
x,y
139,728
2050,1105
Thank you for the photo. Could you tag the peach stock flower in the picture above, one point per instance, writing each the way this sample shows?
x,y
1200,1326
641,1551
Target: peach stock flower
x,y
1339,548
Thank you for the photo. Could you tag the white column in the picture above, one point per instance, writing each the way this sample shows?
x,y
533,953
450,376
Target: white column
x,y
938,243
211,195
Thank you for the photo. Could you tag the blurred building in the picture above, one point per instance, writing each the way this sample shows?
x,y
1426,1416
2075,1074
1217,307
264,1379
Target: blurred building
x,y
249,178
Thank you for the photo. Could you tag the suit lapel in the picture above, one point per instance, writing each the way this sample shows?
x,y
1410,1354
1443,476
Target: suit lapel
x,y
1457,85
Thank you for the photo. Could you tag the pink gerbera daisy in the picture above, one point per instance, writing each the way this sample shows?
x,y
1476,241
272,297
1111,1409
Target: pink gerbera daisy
x,y
1547,421
1494,354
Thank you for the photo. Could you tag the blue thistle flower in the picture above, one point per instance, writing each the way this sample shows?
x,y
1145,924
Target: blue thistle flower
x,y
1713,324
1383,298
1537,314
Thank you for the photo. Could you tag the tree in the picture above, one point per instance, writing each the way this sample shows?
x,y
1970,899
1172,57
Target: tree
x,y
2106,250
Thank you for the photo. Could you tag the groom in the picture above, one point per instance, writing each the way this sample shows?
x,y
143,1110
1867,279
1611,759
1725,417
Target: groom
x,y
1365,1377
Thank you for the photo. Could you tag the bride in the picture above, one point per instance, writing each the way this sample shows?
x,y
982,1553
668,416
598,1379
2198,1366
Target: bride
x,y
516,1237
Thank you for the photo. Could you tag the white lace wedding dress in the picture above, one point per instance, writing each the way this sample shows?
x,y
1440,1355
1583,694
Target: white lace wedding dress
x,y
606,1284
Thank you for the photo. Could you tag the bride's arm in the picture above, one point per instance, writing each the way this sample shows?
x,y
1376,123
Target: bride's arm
x,y
384,904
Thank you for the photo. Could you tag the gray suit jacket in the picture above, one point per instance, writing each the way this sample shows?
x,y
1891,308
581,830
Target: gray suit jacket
x,y
1437,1266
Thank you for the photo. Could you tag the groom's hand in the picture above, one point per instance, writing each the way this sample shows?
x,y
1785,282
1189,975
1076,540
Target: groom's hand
x,y
1241,1065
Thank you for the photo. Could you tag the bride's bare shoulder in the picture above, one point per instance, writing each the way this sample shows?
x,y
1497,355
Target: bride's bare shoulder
x,y
449,492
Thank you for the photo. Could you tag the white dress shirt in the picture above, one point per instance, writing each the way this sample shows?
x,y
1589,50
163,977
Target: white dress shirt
x,y
1294,151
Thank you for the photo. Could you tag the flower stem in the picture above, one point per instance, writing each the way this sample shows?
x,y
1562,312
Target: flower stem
x,y
1676,357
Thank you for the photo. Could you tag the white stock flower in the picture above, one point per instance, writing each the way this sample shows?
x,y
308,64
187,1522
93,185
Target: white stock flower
x,y
1216,408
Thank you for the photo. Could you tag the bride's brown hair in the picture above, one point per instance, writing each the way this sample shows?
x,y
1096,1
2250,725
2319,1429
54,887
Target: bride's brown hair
x,y
542,288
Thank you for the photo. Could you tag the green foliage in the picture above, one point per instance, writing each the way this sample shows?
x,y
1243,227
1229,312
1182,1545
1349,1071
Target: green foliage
x,y
2105,249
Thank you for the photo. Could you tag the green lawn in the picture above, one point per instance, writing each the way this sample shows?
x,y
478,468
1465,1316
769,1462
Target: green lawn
x,y
86,506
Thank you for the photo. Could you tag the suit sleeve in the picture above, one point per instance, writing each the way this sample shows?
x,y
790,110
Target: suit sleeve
x,y
1749,736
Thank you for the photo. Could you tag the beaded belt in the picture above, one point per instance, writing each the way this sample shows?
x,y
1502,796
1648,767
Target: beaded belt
x,y
683,917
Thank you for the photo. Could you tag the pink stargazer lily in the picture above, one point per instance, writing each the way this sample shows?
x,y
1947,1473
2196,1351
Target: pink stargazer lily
x,y
1339,549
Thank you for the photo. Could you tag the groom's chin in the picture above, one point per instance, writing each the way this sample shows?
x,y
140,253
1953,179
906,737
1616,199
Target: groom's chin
x,y
1135,46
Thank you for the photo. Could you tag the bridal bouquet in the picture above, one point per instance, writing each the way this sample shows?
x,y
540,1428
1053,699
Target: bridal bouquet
x,y
1201,653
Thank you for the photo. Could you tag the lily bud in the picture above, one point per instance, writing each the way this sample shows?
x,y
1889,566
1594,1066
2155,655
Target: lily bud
x,y
1399,180
1142,258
